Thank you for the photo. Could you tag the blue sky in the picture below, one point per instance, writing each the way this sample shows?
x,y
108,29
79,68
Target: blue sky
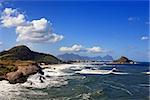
x,y
87,28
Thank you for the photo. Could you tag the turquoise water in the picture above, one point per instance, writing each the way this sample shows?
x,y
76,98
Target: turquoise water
x,y
132,86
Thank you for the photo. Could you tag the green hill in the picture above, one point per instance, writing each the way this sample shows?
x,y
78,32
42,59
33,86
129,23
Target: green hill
x,y
23,53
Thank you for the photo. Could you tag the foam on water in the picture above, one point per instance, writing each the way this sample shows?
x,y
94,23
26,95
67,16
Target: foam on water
x,y
89,71
101,72
15,91
49,72
39,81
144,85
54,76
147,73
119,73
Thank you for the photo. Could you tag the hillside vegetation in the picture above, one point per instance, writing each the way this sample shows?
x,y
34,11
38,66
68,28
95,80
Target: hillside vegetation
x,y
23,53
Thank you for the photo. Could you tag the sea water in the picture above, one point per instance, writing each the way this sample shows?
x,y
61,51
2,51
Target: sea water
x,y
129,82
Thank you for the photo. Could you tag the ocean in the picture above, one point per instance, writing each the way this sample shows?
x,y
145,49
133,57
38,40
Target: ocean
x,y
83,82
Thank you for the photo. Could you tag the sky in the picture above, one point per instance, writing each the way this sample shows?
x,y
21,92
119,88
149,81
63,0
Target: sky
x,y
88,28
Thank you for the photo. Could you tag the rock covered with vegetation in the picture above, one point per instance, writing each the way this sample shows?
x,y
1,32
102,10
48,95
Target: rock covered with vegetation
x,y
24,53
123,60
19,62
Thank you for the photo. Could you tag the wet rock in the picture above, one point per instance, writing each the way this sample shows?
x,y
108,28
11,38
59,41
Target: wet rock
x,y
23,72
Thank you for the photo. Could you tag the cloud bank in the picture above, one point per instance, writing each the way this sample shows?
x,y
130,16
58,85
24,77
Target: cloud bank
x,y
35,31
80,48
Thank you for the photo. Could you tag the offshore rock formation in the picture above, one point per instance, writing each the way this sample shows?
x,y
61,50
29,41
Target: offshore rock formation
x,y
123,60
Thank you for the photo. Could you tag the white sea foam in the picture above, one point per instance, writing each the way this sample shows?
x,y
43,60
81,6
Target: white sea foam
x,y
84,96
102,72
54,76
119,73
35,82
147,73
145,85
16,91
89,71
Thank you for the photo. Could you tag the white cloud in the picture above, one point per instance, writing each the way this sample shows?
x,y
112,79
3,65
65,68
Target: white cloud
x,y
80,48
74,48
35,31
133,19
95,50
12,18
144,38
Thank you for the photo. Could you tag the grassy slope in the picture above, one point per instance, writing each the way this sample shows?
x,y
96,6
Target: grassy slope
x,y
24,53
7,66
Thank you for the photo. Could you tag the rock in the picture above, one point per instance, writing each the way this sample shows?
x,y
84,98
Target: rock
x,y
27,70
21,75
13,77
123,60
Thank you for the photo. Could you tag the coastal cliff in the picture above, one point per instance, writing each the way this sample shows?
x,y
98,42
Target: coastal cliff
x,y
19,62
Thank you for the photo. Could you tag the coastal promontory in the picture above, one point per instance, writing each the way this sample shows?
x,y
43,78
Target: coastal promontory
x,y
17,63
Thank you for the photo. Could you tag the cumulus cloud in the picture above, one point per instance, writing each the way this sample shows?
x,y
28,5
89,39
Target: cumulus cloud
x,y
74,48
12,18
80,48
144,38
95,50
35,31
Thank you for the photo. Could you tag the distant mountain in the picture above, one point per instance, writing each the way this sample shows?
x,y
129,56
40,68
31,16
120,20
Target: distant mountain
x,y
107,57
72,56
23,53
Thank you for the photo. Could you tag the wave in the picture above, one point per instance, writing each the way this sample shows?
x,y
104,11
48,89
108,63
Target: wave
x,y
101,72
38,81
144,85
120,73
147,73
16,91
54,76
120,88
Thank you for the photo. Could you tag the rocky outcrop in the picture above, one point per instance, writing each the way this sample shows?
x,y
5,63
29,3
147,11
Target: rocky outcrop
x,y
21,75
15,77
123,60
21,72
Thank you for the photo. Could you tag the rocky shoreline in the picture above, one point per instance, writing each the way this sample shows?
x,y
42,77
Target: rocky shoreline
x,y
19,72
19,62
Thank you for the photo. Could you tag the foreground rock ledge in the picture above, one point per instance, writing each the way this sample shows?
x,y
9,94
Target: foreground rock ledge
x,y
22,72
